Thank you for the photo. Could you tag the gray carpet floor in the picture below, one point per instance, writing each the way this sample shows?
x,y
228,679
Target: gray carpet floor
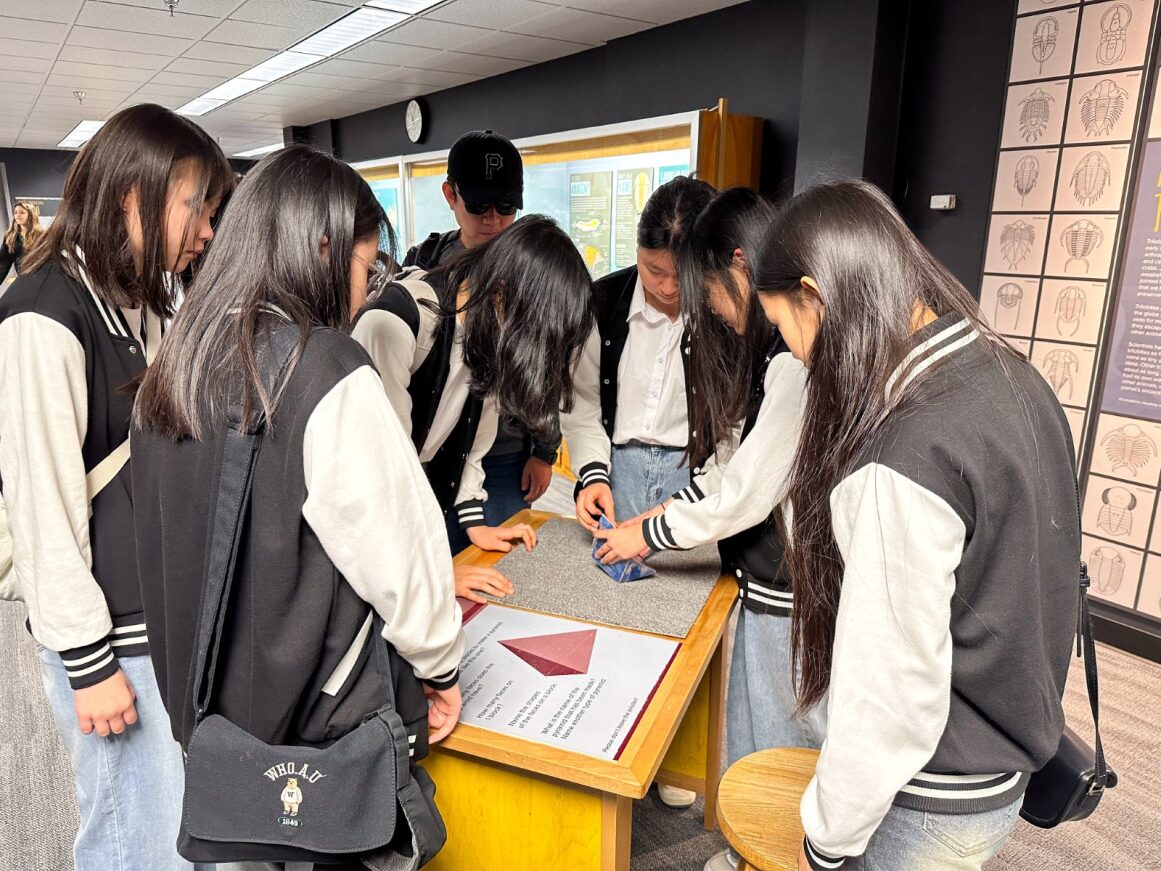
x,y
38,812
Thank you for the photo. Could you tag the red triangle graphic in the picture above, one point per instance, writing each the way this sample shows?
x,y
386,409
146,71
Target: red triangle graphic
x,y
554,655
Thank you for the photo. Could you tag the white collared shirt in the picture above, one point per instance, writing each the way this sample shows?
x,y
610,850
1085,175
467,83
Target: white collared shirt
x,y
651,406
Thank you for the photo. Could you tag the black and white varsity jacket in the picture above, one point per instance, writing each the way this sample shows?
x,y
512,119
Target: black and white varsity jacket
x,y
960,543
733,498
340,526
417,352
595,375
67,359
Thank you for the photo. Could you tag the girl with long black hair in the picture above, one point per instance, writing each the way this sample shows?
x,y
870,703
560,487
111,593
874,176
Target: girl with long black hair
x,y
736,488
341,527
493,333
934,537
77,328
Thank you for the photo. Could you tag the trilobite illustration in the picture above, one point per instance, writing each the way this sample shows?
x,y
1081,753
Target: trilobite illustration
x,y
1114,34
1034,114
1116,514
1016,240
1101,107
1008,298
1027,172
1090,178
1129,448
1070,305
1058,368
1106,569
1044,40
1080,239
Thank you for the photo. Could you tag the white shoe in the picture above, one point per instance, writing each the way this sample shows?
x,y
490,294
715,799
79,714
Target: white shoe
x,y
723,861
672,796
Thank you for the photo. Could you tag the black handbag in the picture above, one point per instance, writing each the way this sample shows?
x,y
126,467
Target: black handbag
x,y
357,800
1070,786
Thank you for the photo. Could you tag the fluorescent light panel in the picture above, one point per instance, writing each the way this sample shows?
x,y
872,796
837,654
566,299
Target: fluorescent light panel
x,y
411,7
349,30
80,134
258,152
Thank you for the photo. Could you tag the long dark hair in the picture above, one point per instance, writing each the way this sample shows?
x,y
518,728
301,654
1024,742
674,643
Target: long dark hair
x,y
144,147
670,212
266,256
528,313
871,272
722,363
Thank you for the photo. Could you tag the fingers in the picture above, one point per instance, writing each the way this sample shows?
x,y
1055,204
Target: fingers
x,y
602,534
86,725
130,715
441,720
603,550
473,596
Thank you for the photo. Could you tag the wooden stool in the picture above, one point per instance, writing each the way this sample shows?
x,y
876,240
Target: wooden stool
x,y
757,806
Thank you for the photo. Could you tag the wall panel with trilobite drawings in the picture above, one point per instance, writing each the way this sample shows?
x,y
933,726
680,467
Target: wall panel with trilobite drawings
x,y
1081,245
1091,178
1027,177
1114,569
1070,310
1008,303
1113,36
1149,594
1044,45
1034,114
1016,244
1103,107
1068,369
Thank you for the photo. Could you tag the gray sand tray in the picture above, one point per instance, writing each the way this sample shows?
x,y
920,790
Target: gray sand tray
x,y
559,577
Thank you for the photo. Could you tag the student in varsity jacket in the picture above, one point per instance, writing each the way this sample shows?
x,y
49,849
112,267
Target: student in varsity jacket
x,y
484,190
493,333
77,328
733,498
935,543
632,375
342,527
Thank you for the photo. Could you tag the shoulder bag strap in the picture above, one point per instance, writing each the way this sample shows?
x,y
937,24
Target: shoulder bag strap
x,y
1086,647
235,481
383,660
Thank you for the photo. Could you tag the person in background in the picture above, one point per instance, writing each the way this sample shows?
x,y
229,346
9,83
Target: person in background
x,y
484,189
629,430
77,328
935,543
734,499
22,233
343,527
492,333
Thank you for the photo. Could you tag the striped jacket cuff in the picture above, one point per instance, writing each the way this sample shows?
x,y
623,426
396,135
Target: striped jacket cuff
x,y
593,473
820,861
444,681
692,493
470,513
90,664
658,535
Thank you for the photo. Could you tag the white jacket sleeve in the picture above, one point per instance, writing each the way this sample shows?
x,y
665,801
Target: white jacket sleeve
x,y
401,567
751,481
890,680
589,449
43,421
472,493
391,345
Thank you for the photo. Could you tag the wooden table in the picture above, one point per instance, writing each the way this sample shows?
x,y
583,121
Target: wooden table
x,y
512,804
757,806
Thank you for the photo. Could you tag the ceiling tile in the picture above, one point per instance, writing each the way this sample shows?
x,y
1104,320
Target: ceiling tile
x,y
234,54
63,11
23,76
112,57
655,11
94,37
31,88
492,14
100,71
212,8
168,89
429,77
390,53
257,35
473,64
579,26
34,31
169,102
343,67
309,12
194,81
133,19
25,64
10,48
206,67
321,80
286,89
433,34
517,47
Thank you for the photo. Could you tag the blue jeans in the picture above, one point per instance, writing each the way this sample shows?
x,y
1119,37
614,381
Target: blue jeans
x,y
129,786
645,475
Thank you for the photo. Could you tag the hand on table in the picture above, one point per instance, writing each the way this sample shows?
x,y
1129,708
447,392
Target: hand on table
x,y
500,538
535,479
471,581
803,862
622,543
107,706
592,502
443,711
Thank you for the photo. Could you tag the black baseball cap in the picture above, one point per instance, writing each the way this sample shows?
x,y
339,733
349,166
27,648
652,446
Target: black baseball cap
x,y
486,169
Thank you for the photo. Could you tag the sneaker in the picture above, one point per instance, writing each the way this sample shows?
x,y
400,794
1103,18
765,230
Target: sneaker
x,y
675,797
726,860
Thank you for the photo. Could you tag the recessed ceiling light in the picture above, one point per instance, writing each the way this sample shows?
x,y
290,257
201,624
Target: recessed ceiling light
x,y
200,106
412,7
80,134
258,152
347,31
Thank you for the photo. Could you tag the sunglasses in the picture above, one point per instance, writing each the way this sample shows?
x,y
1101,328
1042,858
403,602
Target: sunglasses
x,y
504,209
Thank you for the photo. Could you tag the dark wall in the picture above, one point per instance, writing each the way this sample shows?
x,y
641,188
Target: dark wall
x,y
750,53
35,173
952,108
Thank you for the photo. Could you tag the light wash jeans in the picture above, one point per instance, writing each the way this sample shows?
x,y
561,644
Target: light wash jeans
x,y
129,786
644,476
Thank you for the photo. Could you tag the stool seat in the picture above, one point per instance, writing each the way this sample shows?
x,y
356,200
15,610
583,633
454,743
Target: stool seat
x,y
757,806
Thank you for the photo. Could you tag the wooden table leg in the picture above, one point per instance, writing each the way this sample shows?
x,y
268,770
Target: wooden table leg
x,y
616,832
713,751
